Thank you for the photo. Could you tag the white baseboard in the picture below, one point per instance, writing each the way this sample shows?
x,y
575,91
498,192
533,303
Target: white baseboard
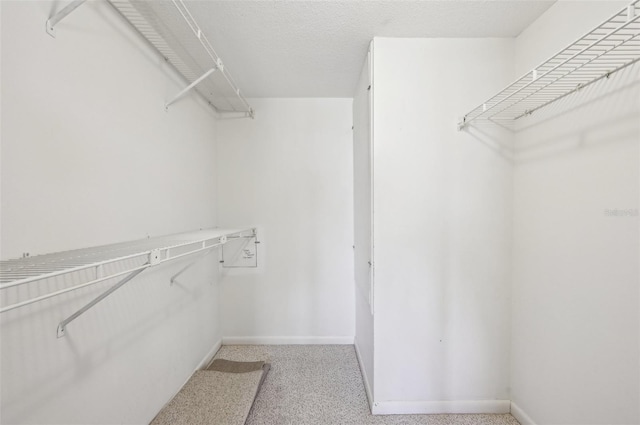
x,y
287,340
209,356
382,407
363,372
440,407
519,414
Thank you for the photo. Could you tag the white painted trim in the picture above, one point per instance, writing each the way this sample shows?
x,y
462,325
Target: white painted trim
x,y
520,415
209,356
367,386
287,340
440,407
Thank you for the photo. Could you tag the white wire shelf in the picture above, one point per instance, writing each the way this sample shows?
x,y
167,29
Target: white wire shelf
x,y
90,266
610,47
172,30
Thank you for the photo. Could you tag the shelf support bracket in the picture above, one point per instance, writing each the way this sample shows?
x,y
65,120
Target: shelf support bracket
x,y
189,87
462,124
191,264
230,115
62,326
53,21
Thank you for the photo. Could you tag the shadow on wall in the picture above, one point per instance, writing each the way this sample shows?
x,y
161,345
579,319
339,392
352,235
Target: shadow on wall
x,y
607,111
495,136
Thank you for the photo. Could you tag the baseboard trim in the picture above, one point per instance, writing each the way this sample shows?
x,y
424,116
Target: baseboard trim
x,y
367,386
287,340
520,415
209,356
440,407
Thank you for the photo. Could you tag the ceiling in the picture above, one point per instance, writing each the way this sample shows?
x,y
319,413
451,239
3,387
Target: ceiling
x,y
297,48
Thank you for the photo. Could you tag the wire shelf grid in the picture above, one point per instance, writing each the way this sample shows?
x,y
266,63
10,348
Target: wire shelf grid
x,y
608,48
98,262
172,30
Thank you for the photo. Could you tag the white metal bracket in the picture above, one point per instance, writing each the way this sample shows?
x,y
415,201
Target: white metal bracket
x,y
247,253
154,257
192,85
221,241
62,326
230,115
53,21
462,123
187,267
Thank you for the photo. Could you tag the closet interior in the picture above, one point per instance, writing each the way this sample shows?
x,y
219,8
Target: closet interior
x,y
465,215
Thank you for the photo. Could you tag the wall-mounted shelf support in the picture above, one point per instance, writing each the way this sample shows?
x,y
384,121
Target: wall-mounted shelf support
x,y
53,21
185,268
189,87
191,264
244,257
608,48
62,326
235,115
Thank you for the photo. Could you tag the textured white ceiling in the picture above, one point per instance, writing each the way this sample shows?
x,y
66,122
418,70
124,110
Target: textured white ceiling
x,y
302,48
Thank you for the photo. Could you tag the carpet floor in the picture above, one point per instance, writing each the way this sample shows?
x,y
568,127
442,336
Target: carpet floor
x,y
322,384
211,398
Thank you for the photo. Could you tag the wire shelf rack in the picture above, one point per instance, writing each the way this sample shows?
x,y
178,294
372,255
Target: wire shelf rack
x,y
98,264
171,29
610,47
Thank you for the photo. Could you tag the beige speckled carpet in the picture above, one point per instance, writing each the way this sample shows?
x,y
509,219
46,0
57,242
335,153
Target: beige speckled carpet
x,y
306,385
222,394
322,385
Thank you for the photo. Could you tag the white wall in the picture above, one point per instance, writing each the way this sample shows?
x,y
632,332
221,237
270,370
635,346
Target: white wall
x,y
442,220
575,344
84,125
290,173
89,156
